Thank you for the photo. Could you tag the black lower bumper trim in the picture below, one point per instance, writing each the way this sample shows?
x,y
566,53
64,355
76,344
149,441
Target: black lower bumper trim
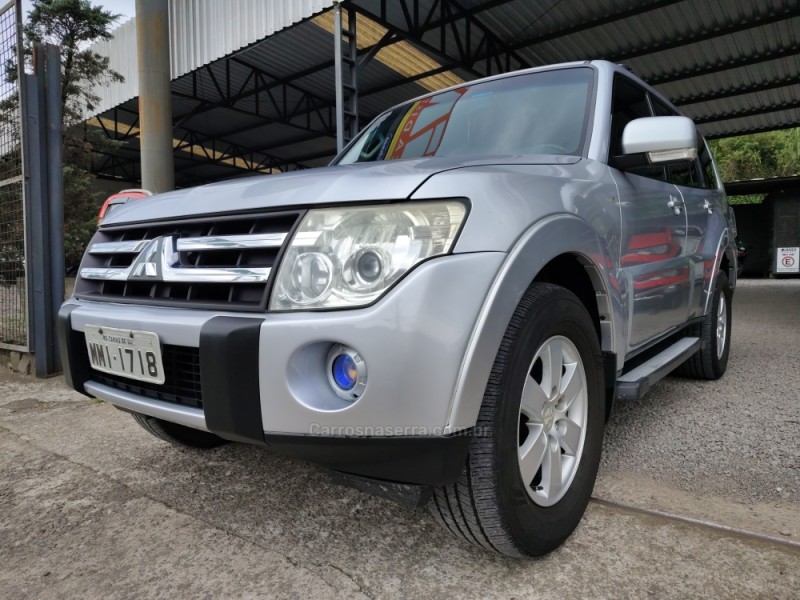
x,y
72,345
229,378
417,460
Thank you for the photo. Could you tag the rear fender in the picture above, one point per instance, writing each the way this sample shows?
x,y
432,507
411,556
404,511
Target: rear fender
x,y
725,247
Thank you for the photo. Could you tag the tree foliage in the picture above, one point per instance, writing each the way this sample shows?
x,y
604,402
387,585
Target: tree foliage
x,y
770,154
74,25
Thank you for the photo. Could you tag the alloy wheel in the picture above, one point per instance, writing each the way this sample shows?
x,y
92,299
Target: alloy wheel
x,y
552,421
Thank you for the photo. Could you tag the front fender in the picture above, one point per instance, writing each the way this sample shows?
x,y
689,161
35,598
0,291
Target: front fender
x,y
548,238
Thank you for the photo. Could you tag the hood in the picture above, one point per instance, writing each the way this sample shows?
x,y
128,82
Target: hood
x,y
360,182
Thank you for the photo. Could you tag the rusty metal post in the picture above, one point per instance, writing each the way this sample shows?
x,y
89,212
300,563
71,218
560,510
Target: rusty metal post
x,y
155,95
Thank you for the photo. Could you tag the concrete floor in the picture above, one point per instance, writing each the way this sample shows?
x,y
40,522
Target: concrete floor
x,y
92,506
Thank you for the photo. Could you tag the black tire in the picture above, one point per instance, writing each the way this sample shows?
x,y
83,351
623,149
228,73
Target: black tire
x,y
707,362
178,435
489,505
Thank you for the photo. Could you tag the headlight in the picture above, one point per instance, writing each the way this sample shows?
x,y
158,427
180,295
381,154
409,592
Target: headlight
x,y
341,257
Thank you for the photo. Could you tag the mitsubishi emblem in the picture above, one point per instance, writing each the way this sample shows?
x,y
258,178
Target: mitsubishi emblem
x,y
149,264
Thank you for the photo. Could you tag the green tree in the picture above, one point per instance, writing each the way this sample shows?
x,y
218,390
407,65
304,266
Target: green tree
x,y
74,25
770,154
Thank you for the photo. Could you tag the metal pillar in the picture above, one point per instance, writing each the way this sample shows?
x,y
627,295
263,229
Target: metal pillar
x,y
155,95
43,204
346,73
55,184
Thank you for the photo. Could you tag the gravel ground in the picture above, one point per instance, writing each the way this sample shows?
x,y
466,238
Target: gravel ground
x,y
738,437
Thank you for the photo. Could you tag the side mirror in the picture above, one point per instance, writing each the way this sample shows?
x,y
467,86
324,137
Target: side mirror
x,y
651,141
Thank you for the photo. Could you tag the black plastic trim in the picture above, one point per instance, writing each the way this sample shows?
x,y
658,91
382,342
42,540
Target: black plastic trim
x,y
204,218
610,379
182,304
634,390
229,378
431,460
72,346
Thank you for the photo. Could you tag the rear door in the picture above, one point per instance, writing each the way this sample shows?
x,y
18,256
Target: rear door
x,y
653,261
705,206
703,200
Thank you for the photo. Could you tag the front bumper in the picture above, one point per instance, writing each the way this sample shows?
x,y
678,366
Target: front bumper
x,y
264,378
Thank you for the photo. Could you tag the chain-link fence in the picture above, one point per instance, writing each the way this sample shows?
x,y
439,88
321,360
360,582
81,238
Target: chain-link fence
x,y
13,302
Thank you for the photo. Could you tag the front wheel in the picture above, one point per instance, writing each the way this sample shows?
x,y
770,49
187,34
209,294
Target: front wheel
x,y
536,448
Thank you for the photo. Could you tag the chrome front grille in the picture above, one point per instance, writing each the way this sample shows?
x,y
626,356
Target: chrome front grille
x,y
226,262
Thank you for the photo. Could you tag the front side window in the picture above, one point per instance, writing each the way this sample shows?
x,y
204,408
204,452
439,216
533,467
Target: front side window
x,y
660,109
535,113
628,102
707,164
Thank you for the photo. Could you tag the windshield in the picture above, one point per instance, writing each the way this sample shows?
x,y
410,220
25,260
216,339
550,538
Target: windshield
x,y
535,113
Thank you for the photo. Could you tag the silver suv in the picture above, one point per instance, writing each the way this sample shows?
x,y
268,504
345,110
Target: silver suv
x,y
446,314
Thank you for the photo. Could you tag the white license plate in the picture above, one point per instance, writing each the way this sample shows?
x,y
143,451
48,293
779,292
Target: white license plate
x,y
133,354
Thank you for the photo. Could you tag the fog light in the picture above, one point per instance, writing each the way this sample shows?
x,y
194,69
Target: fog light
x,y
347,372
344,371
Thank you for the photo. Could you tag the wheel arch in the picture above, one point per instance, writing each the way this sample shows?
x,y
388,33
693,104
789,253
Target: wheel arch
x,y
724,260
729,263
579,275
560,249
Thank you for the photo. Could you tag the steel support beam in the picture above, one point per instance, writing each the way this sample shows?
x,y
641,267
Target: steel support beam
x,y
43,204
338,75
155,94
446,24
55,187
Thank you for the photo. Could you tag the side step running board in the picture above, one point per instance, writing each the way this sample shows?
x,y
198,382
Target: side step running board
x,y
635,383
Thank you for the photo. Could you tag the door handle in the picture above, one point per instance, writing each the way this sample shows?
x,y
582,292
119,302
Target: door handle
x,y
707,206
674,204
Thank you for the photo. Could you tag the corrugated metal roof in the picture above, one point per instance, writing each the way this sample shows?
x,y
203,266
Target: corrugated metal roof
x,y
733,65
205,30
201,31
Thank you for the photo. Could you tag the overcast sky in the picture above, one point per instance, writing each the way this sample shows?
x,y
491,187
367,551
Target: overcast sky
x,y
126,8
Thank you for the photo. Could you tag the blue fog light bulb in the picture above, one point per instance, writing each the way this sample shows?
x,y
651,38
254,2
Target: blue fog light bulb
x,y
345,371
